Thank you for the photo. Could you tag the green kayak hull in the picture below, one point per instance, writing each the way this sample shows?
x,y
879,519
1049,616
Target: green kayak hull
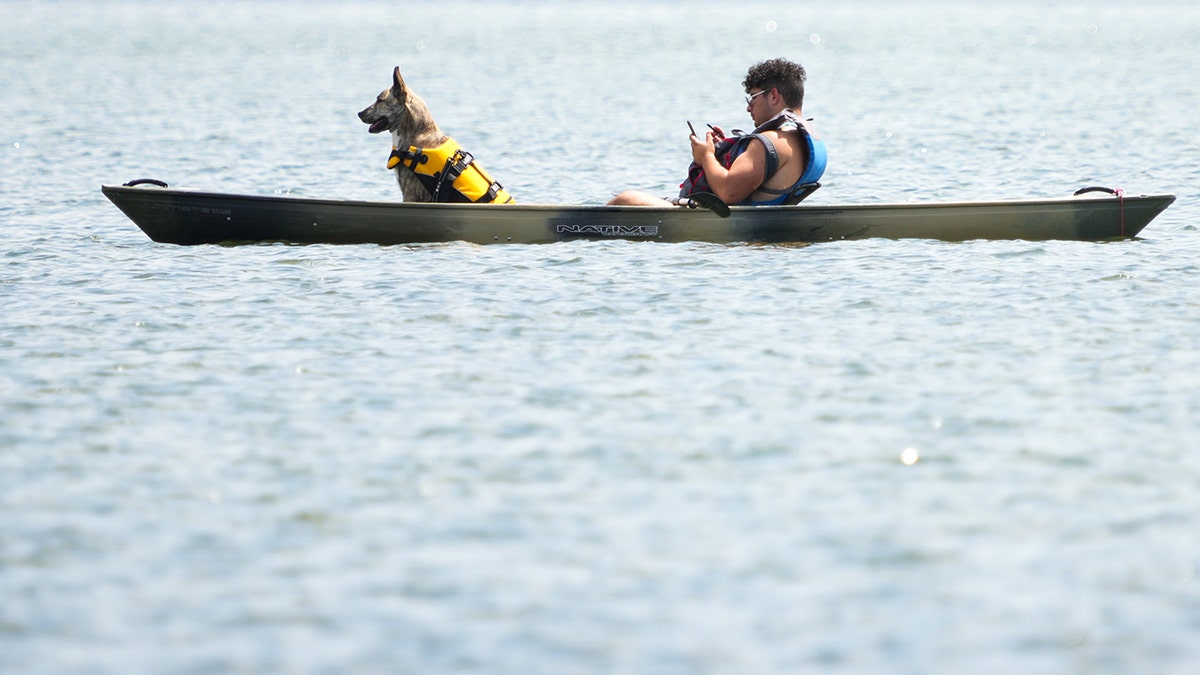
x,y
188,217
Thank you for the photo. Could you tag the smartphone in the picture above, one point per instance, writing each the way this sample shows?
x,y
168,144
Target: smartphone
x,y
716,135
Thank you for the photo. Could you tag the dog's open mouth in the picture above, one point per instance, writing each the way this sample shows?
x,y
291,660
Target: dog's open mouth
x,y
379,125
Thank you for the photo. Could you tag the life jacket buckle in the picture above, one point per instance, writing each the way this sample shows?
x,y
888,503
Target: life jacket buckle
x,y
458,163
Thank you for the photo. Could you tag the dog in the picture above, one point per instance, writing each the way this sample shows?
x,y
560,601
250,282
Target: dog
x,y
430,166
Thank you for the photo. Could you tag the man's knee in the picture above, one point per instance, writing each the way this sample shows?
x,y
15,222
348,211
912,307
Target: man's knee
x,y
637,198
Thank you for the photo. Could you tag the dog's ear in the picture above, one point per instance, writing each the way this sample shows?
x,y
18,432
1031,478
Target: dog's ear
x,y
398,83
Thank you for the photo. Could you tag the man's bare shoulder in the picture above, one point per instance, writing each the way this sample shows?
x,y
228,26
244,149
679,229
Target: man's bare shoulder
x,y
786,142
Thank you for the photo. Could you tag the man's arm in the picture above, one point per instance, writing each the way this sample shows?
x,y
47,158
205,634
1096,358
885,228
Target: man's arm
x,y
740,180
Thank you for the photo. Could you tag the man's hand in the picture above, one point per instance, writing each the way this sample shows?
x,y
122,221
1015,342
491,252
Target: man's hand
x,y
703,147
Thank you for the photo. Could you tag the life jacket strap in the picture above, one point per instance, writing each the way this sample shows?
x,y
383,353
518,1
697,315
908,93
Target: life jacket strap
x,y
455,166
410,157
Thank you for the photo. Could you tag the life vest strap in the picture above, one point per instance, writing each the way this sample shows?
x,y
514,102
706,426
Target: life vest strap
x,y
455,166
411,158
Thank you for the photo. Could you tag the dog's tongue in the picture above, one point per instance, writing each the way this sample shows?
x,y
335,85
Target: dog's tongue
x,y
378,126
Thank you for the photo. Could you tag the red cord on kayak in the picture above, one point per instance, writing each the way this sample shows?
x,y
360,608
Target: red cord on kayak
x,y
1121,196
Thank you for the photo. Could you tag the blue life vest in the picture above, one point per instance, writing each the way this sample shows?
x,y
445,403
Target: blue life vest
x,y
729,149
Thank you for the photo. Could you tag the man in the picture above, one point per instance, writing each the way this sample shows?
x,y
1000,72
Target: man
x,y
762,168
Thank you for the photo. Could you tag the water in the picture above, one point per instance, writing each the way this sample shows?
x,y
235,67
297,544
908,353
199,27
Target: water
x,y
867,456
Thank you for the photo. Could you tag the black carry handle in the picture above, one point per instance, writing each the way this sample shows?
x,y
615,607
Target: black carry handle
x,y
1116,192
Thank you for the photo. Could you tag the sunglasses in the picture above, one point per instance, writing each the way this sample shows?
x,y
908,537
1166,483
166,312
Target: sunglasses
x,y
751,97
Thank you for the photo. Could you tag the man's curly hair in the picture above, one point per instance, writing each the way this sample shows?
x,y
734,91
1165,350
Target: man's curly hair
x,y
779,74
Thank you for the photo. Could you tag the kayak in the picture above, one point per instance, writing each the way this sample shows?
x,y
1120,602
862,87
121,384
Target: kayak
x,y
188,217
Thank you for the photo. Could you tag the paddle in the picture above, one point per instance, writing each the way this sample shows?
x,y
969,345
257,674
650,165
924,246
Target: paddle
x,y
705,200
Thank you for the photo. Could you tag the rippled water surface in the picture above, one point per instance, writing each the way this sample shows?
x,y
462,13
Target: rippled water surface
x,y
873,456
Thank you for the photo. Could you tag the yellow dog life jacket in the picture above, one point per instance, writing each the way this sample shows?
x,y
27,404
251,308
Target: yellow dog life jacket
x,y
450,174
